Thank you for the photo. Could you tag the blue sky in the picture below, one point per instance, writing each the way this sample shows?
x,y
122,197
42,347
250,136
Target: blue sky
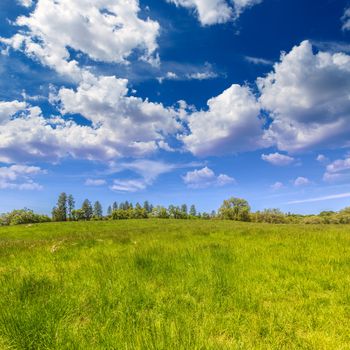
x,y
175,101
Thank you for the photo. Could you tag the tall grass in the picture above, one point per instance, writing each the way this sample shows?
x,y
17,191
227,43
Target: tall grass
x,y
154,284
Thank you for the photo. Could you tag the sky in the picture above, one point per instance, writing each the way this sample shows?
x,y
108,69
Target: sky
x,y
175,101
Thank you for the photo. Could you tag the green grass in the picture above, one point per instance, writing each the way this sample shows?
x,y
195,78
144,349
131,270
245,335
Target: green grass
x,y
163,284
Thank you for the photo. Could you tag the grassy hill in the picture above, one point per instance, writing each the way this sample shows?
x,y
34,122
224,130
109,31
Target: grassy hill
x,y
172,284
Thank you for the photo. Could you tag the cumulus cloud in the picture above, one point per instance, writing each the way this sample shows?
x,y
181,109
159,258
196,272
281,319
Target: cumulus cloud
x,y
216,11
322,159
206,177
307,96
122,125
301,181
346,19
9,108
19,177
338,170
105,30
231,124
25,3
277,186
277,159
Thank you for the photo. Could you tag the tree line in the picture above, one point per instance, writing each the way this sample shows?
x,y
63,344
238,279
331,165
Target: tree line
x,y
236,209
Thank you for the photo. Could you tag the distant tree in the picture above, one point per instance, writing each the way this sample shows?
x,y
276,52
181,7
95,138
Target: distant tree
x,y
78,214
97,211
109,211
184,209
22,216
87,209
138,206
235,209
114,206
146,206
59,213
213,214
160,212
71,206
193,211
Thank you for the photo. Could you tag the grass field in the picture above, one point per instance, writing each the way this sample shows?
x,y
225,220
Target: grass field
x,y
166,284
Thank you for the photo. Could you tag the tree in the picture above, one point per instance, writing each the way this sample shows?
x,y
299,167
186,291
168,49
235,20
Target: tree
x,y
87,210
138,206
146,206
109,211
193,211
71,206
59,213
235,209
184,209
114,206
97,211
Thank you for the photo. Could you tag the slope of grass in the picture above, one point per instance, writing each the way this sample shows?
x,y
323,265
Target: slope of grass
x,y
163,284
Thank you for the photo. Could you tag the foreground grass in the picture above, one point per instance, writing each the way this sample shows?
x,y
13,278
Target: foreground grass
x,y
163,284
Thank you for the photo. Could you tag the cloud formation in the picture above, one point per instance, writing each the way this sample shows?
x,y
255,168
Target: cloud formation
x,y
233,121
277,159
346,19
211,12
307,95
301,181
206,177
105,30
19,177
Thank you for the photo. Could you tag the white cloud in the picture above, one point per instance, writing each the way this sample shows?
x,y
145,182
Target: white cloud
x,y
319,199
216,11
307,95
322,159
95,182
129,185
208,11
277,186
147,170
301,181
258,61
25,3
206,177
338,170
231,124
202,75
19,177
185,72
277,159
8,109
242,5
104,30
122,125
346,19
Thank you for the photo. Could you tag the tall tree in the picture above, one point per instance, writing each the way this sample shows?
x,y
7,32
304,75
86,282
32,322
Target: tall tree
x,y
59,213
97,211
184,209
71,206
115,206
193,211
235,209
146,206
87,209
109,211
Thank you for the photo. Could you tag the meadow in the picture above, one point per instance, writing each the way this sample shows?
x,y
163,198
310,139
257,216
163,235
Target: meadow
x,y
174,284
